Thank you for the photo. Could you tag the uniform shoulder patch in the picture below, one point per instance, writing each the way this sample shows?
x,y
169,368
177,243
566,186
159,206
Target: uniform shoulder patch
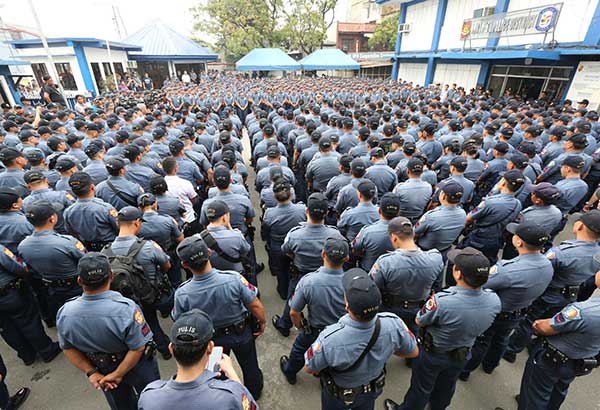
x,y
157,246
570,313
247,284
80,246
69,196
550,255
113,212
431,305
494,270
8,253
138,317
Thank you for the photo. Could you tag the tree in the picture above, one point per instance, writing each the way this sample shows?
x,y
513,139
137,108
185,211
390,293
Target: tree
x,y
305,27
239,25
384,37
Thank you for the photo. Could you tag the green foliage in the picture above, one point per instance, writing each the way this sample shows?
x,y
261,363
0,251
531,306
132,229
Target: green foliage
x,y
384,37
242,25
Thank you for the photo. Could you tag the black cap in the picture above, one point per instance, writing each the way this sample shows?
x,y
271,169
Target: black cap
x,y
281,184
336,250
574,161
192,328
357,166
585,101
131,151
460,163
514,179
531,233
129,214
507,132
591,220
94,268
65,163
176,146
470,261
389,205
578,139
345,160
317,205
92,149
501,147
377,152
115,164
547,192
216,209
362,294
453,191
34,155
80,181
26,134
8,196
192,250
44,130
158,181
324,143
34,175
415,165
224,136
367,188
158,132
558,131
146,200
73,138
273,151
222,176
519,159
401,225
8,154
40,211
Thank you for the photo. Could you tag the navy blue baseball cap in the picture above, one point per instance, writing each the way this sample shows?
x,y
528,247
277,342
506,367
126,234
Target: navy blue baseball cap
x,y
129,214
146,199
115,164
192,328
453,191
362,294
216,209
40,211
317,205
574,161
531,233
336,250
192,250
94,268
390,205
546,191
514,178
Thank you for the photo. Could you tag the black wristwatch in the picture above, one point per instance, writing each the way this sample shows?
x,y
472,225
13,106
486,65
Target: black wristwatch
x,y
91,372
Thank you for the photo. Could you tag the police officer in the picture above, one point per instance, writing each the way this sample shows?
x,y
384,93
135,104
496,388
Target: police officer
x,y
491,216
229,247
350,355
96,167
335,185
14,226
365,213
14,163
323,168
573,264
414,193
19,317
90,219
195,384
16,400
572,188
570,348
37,183
451,320
458,166
440,227
518,282
135,171
44,245
66,166
151,258
380,173
406,275
105,336
347,196
373,240
276,224
322,293
163,230
303,244
167,204
229,300
117,190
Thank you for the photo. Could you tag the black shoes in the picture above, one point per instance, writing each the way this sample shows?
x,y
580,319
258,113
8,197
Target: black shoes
x,y
19,398
260,267
282,363
464,376
283,332
55,352
510,357
390,404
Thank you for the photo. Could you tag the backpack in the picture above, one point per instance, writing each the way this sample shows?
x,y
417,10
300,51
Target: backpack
x,y
129,278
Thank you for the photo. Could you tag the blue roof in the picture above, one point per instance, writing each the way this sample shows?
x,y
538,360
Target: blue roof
x,y
67,41
267,59
161,42
329,59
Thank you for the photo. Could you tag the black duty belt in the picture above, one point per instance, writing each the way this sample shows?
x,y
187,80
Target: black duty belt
x,y
15,284
398,301
237,329
295,272
60,283
459,354
348,395
512,315
103,360
568,292
581,366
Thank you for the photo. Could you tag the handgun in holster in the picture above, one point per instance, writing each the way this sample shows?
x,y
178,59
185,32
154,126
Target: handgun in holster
x,y
304,325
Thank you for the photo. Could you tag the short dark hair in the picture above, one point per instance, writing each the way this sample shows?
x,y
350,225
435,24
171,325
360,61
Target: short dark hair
x,y
475,280
95,286
198,265
189,355
169,164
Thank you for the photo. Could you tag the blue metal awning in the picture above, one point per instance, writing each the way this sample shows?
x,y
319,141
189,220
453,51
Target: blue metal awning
x,y
267,59
329,59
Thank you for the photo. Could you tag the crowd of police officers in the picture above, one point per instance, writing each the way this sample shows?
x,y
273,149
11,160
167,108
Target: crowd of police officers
x,y
397,220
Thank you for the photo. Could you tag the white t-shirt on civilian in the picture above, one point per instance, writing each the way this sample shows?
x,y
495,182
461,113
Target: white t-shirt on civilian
x,y
184,190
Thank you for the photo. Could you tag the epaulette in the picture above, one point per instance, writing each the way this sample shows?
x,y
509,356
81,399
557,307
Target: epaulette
x,y
73,298
567,245
156,385
387,314
445,292
332,329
